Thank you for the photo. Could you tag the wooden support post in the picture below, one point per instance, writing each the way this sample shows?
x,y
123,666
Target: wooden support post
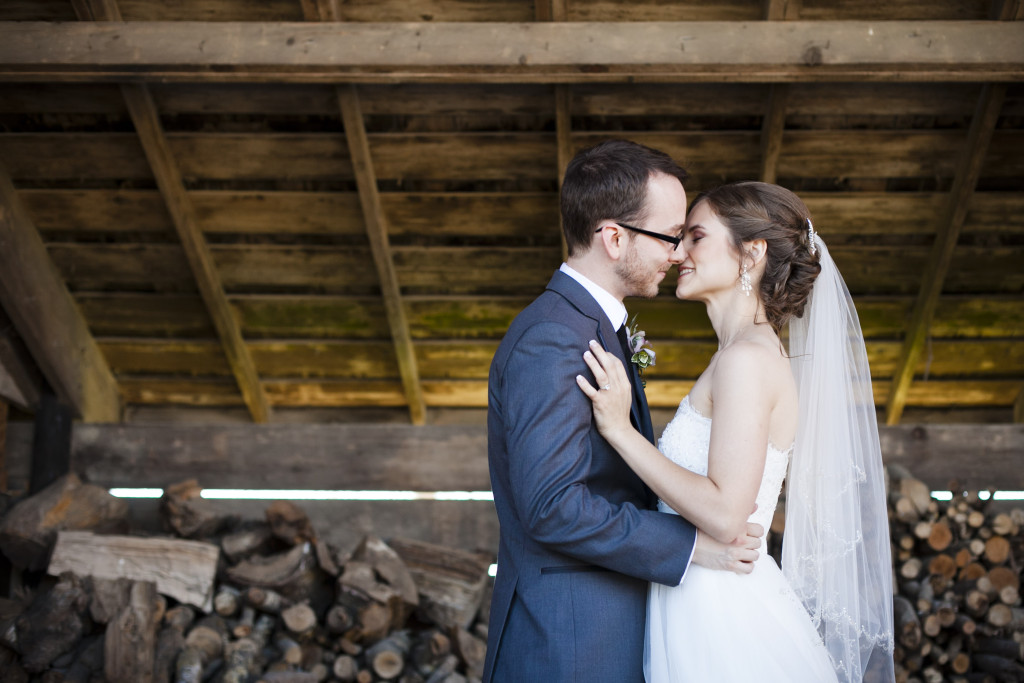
x,y
772,130
984,122
556,10
47,318
168,178
51,443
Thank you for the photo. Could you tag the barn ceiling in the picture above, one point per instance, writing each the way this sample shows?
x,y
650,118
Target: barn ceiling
x,y
201,217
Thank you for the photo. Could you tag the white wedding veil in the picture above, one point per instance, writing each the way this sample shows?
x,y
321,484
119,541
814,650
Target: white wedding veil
x,y
835,549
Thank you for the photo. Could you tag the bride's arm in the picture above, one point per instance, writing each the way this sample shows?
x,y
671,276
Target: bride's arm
x,y
720,503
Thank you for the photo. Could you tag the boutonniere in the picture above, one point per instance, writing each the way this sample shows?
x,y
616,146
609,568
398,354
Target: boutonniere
x,y
643,354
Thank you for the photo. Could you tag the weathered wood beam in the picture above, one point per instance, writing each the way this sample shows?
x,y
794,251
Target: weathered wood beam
x,y
983,124
47,317
376,229
541,52
168,177
377,232
204,270
774,124
772,130
1018,407
403,457
556,10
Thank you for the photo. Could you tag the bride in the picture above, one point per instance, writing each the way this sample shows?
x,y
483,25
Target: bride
x,y
751,255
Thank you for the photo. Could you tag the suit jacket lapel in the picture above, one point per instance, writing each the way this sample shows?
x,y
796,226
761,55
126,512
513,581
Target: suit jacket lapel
x,y
581,299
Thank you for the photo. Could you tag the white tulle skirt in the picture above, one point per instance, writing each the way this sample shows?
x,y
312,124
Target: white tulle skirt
x,y
719,626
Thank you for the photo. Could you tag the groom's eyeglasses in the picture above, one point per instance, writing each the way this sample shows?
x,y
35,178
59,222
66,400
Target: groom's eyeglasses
x,y
674,241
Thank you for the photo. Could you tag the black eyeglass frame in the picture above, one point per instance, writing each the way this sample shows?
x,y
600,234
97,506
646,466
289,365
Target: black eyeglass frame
x,y
674,241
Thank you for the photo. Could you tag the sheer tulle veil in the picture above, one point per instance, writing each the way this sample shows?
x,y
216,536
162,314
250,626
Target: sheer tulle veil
x,y
835,551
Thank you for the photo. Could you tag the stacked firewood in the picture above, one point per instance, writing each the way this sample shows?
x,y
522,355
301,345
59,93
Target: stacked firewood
x,y
234,601
957,608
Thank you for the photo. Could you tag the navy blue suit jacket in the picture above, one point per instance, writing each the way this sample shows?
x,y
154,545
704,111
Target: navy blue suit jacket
x,y
580,539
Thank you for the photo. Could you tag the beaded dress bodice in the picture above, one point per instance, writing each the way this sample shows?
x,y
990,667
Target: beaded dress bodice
x,y
686,441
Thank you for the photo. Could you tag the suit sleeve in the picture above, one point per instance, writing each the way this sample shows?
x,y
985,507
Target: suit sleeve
x,y
550,440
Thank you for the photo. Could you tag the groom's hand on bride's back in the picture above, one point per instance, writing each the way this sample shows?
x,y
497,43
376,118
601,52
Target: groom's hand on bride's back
x,y
738,556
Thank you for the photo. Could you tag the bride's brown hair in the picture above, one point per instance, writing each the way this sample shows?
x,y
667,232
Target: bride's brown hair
x,y
754,210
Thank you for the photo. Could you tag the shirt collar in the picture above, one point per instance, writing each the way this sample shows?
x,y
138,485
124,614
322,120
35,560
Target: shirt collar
x,y
612,307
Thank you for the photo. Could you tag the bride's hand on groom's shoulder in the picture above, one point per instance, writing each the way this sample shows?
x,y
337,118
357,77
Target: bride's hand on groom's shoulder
x,y
738,556
613,395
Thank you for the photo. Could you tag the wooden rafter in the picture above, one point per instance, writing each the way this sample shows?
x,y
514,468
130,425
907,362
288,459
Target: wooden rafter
x,y
168,179
539,52
376,229
35,297
982,125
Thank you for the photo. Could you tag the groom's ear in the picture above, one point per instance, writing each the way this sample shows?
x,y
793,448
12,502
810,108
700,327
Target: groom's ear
x,y
612,239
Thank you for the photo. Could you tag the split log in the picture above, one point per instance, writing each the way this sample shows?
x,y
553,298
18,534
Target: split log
x,y
339,619
227,601
183,570
291,652
299,619
52,624
294,573
250,538
908,626
243,627
387,657
290,523
169,644
266,600
997,550
913,489
471,650
940,536
29,529
1004,616
1000,667
130,641
189,515
345,668
451,582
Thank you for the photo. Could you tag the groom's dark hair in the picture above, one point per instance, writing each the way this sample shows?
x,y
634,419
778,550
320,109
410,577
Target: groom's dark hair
x,y
609,182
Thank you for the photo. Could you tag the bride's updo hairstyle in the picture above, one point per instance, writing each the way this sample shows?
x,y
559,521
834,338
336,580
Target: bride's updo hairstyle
x,y
754,210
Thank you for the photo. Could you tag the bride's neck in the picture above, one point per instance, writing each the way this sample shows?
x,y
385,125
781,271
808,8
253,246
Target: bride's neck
x,y
733,316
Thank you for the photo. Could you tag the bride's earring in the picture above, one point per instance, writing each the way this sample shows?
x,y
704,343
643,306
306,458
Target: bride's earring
x,y
745,281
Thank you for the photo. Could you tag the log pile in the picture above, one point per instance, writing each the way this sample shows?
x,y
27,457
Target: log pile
x,y
958,567
283,606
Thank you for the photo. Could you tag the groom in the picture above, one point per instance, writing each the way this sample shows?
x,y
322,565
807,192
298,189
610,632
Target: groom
x,y
580,539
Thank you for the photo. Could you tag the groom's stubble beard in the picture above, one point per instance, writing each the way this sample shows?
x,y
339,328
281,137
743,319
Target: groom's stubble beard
x,y
637,278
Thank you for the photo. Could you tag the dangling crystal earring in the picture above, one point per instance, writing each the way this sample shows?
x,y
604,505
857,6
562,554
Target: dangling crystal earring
x,y
745,281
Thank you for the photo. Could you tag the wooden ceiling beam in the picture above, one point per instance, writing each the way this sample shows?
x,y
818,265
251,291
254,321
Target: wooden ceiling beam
x,y
376,229
377,232
47,318
20,380
979,136
541,52
168,179
197,251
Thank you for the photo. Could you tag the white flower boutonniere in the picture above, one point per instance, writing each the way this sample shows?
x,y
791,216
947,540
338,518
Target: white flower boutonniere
x,y
643,355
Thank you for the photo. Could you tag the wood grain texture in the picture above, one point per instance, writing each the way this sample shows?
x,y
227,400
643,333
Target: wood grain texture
x,y
183,570
545,51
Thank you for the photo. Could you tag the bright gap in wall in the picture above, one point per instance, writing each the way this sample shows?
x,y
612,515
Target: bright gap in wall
x,y
302,494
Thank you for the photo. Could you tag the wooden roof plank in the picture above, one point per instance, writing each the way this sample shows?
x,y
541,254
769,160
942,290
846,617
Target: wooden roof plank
x,y
553,52
46,317
377,232
982,126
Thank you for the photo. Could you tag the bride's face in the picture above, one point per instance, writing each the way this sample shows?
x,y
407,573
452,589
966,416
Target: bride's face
x,y
711,264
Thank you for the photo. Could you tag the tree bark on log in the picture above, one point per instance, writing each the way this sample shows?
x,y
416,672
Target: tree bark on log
x,y
130,642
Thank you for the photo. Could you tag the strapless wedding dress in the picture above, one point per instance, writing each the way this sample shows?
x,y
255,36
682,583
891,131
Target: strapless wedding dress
x,y
719,626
